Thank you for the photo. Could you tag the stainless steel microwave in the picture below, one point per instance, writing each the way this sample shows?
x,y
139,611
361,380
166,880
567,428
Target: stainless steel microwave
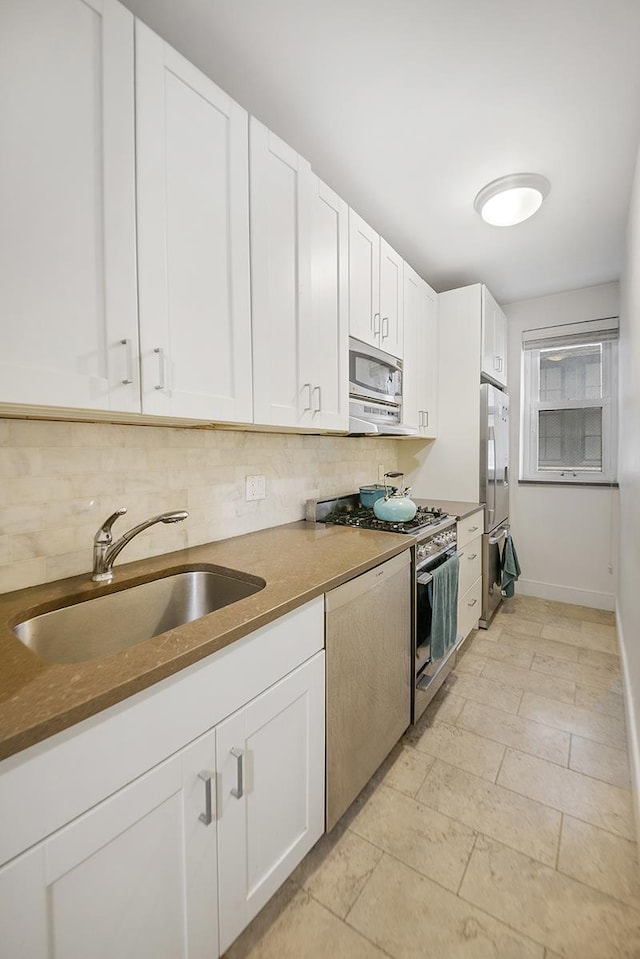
x,y
374,375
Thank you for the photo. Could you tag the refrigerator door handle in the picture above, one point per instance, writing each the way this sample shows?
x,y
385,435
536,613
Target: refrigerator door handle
x,y
506,476
492,482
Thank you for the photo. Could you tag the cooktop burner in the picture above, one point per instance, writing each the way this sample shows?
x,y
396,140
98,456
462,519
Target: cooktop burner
x,y
347,511
366,519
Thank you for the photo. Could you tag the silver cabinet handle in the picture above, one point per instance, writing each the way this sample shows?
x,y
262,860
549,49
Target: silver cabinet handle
x,y
376,326
385,319
473,602
420,418
426,417
160,385
472,529
238,790
318,390
307,408
473,556
128,352
207,816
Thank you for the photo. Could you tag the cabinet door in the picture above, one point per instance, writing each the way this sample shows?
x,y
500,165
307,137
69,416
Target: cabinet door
x,y
427,349
412,365
134,876
501,346
193,239
364,281
420,371
280,281
327,340
391,297
67,195
270,761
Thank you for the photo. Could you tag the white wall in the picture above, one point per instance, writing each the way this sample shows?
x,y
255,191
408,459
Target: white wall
x,y
628,608
566,537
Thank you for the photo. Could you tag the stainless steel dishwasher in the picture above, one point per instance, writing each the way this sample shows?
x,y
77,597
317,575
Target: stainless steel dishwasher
x,y
368,661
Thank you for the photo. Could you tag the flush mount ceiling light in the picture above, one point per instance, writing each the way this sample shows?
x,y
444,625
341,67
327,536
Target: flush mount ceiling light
x,y
511,199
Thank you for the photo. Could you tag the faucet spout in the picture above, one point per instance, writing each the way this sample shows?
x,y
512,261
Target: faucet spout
x,y
105,550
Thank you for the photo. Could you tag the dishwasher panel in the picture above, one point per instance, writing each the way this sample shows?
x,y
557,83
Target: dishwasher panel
x,y
369,677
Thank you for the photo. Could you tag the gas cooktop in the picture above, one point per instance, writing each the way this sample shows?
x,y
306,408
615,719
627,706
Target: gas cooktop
x,y
347,511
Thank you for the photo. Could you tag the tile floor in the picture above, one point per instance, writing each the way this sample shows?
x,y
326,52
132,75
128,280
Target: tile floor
x,y
500,827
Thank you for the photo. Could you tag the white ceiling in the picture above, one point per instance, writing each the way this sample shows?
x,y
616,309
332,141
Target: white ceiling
x,y
408,107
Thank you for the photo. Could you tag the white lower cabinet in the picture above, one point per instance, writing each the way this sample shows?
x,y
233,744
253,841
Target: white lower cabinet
x,y
210,832
469,539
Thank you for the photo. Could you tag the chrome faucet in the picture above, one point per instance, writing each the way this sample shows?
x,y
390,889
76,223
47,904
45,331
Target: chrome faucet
x,y
105,550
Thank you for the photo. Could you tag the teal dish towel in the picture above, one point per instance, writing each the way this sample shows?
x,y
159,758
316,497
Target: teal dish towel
x,y
510,568
444,621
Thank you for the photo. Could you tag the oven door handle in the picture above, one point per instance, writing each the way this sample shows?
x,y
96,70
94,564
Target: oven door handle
x,y
494,540
424,579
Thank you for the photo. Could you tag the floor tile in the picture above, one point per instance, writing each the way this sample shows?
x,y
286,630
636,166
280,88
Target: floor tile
x,y
405,769
411,917
606,676
524,734
470,663
573,793
337,868
567,916
515,623
588,723
593,657
601,762
301,928
545,647
599,629
424,839
533,682
601,860
601,701
521,822
445,706
504,651
576,637
481,690
475,754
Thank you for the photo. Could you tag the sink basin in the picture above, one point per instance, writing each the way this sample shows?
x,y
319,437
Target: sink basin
x,y
100,626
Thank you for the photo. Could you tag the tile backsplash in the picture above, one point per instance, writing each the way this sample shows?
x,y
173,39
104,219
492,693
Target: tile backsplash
x,y
59,481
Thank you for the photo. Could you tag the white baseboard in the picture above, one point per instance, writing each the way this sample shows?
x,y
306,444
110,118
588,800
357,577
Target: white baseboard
x,y
566,594
632,731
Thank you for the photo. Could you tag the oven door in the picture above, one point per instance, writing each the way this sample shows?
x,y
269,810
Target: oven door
x,y
424,596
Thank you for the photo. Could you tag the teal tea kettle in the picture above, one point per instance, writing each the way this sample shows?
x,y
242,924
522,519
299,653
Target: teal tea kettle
x,y
395,506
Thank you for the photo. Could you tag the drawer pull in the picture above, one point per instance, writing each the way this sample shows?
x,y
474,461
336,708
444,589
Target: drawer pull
x,y
473,602
473,556
472,529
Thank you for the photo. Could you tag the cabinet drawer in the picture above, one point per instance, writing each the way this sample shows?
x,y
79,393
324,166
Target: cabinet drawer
x,y
470,565
470,527
469,606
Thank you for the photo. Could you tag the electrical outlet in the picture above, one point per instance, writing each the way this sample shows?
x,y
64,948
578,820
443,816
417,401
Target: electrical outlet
x,y
381,472
255,488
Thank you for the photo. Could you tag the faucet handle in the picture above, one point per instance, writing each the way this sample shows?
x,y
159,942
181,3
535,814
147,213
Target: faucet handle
x,y
104,533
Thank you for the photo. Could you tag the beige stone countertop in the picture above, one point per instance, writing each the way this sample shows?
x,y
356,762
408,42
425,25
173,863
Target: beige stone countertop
x,y
453,507
299,561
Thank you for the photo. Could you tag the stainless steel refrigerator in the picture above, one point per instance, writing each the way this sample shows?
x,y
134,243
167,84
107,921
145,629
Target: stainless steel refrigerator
x,y
494,492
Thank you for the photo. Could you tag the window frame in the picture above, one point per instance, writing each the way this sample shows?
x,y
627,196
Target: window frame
x,y
531,406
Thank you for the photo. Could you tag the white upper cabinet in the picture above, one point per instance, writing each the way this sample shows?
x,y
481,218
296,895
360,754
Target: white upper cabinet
x,y
280,276
67,195
299,290
494,340
420,374
375,288
327,340
193,239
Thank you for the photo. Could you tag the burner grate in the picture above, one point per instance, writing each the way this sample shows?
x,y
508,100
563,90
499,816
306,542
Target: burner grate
x,y
364,518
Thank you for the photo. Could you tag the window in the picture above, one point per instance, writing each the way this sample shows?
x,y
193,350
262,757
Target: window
x,y
569,383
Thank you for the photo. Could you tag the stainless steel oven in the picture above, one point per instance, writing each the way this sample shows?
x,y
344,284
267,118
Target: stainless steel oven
x,y
430,670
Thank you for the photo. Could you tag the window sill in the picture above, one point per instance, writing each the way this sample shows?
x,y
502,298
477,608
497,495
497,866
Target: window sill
x,y
612,484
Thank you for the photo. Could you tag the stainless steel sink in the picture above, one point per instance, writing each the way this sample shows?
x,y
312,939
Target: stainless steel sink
x,y
100,626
